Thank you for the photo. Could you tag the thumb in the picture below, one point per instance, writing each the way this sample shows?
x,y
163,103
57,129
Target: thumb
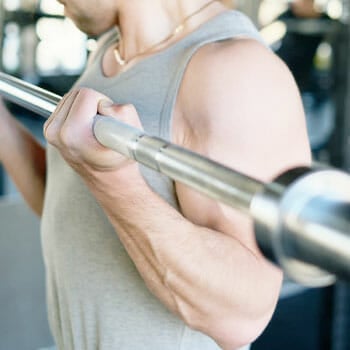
x,y
105,107
123,112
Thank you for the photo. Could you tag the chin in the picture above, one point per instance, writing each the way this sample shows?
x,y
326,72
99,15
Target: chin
x,y
87,25
92,30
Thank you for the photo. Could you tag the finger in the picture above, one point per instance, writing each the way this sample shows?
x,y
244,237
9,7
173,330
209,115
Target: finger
x,y
57,109
54,124
82,112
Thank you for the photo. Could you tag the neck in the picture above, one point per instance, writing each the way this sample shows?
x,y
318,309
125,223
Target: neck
x,y
144,23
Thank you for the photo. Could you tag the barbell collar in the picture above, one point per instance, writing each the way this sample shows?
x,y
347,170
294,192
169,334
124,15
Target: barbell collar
x,y
305,227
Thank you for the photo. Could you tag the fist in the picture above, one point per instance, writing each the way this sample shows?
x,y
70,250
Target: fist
x,y
70,130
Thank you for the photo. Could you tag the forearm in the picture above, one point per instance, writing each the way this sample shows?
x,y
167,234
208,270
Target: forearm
x,y
206,277
24,160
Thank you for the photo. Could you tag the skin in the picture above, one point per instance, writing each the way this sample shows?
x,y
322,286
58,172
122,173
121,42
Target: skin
x,y
305,9
23,159
245,111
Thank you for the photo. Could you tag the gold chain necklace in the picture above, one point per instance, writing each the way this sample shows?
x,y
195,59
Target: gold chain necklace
x,y
178,29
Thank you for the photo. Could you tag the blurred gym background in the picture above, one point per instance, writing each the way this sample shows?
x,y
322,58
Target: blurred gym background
x,y
39,45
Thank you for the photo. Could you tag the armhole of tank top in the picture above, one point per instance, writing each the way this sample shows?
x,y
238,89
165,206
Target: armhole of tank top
x,y
167,111
102,44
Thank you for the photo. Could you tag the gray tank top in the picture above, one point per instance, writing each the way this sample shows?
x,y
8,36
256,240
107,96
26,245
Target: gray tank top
x,y
96,298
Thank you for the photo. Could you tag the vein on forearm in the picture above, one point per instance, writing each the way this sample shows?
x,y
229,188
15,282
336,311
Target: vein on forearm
x,y
194,270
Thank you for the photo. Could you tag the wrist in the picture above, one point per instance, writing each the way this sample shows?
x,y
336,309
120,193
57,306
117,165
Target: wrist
x,y
116,182
121,192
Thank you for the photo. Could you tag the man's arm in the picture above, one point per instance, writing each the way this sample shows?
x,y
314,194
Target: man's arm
x,y
208,278
203,264
239,105
23,158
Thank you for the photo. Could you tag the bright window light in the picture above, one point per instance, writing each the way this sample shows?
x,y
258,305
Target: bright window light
x,y
55,54
49,28
51,7
11,44
46,57
323,57
12,5
91,45
274,32
335,9
270,10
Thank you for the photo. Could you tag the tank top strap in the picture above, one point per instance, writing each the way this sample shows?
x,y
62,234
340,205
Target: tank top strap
x,y
229,25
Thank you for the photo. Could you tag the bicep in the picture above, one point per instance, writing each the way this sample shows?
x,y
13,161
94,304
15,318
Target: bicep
x,y
248,117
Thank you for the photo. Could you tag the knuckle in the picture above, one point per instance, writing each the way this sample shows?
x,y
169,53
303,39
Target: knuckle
x,y
50,136
84,93
65,137
73,92
47,134
87,93
85,90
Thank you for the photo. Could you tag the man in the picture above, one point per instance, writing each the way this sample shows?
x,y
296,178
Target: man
x,y
133,260
298,49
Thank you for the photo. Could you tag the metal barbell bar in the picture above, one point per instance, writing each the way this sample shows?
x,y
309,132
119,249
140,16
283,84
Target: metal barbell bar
x,y
302,219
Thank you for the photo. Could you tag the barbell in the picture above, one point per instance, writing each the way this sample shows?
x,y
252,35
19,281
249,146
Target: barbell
x,y
302,218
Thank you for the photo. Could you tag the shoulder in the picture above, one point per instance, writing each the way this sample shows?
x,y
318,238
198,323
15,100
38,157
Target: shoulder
x,y
243,65
238,94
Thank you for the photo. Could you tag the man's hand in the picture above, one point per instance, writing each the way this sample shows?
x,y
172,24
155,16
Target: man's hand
x,y
70,130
